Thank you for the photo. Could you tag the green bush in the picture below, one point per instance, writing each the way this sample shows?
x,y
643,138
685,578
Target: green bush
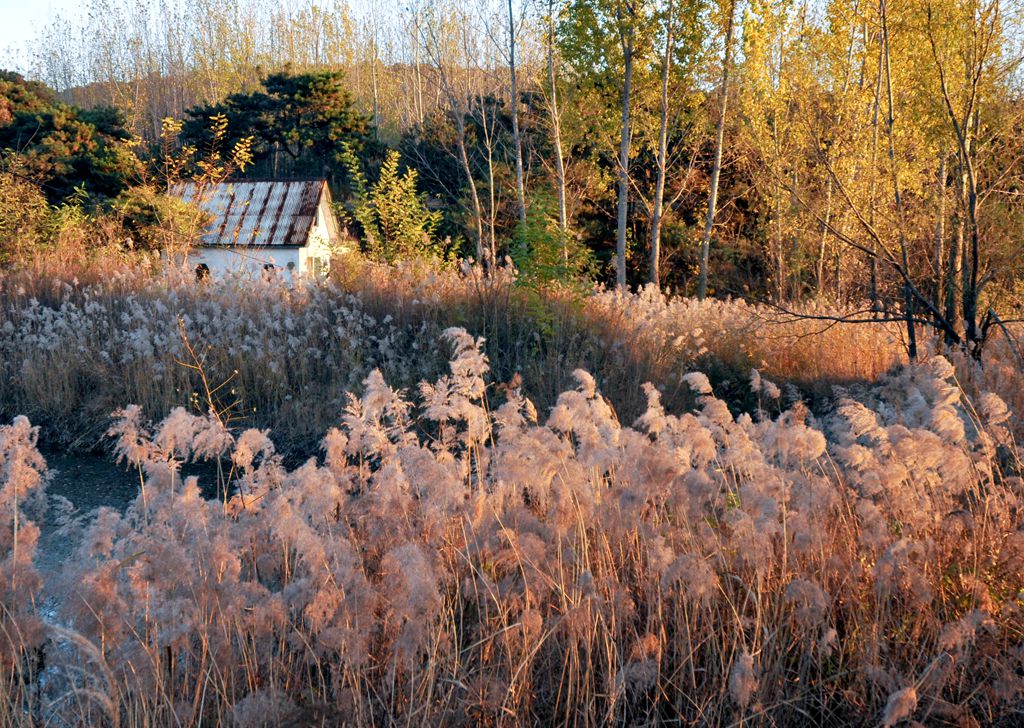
x,y
544,254
24,219
155,221
396,222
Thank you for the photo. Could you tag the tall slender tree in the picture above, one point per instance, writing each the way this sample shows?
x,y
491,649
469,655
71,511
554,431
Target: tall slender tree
x,y
716,165
662,154
556,127
514,108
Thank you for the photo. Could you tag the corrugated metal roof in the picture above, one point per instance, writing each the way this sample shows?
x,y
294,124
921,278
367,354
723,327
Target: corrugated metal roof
x,y
274,212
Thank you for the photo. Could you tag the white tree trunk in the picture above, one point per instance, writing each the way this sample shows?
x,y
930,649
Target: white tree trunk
x,y
556,132
517,141
716,168
659,186
624,139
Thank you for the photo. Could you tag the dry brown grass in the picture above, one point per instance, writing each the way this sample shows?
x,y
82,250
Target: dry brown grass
x,y
451,563
81,335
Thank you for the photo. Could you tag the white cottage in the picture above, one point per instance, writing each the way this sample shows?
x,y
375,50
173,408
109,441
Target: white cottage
x,y
263,227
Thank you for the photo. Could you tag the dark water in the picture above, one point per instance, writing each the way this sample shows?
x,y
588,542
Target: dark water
x,y
91,481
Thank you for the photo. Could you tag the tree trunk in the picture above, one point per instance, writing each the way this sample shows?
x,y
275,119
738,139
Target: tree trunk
x,y
517,141
626,37
492,215
418,81
659,187
460,125
820,272
777,254
960,303
795,277
967,252
954,266
716,168
556,130
971,264
373,77
873,263
940,231
838,264
454,96
908,299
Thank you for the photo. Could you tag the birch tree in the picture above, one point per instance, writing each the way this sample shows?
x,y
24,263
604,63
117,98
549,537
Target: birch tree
x,y
716,165
611,39
513,24
447,35
554,114
681,52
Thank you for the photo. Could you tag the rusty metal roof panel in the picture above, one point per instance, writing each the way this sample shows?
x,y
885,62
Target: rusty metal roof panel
x,y
254,215
245,212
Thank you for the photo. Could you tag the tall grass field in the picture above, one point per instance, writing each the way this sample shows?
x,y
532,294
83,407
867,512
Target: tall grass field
x,y
440,498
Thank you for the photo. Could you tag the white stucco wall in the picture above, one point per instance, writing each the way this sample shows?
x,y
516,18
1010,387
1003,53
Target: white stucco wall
x,y
318,247
310,259
245,260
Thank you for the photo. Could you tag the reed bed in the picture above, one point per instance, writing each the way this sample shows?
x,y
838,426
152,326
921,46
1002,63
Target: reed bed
x,y
454,556
79,341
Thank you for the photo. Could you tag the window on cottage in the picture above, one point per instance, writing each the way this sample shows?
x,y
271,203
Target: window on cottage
x,y
318,266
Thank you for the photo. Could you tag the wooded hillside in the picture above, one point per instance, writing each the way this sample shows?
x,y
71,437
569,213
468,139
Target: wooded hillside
x,y
781,151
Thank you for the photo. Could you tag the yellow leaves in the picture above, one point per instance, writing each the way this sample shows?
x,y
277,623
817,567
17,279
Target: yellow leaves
x,y
212,167
170,128
209,169
241,153
218,126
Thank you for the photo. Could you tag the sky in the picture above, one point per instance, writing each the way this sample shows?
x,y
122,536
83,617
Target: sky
x,y
20,20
